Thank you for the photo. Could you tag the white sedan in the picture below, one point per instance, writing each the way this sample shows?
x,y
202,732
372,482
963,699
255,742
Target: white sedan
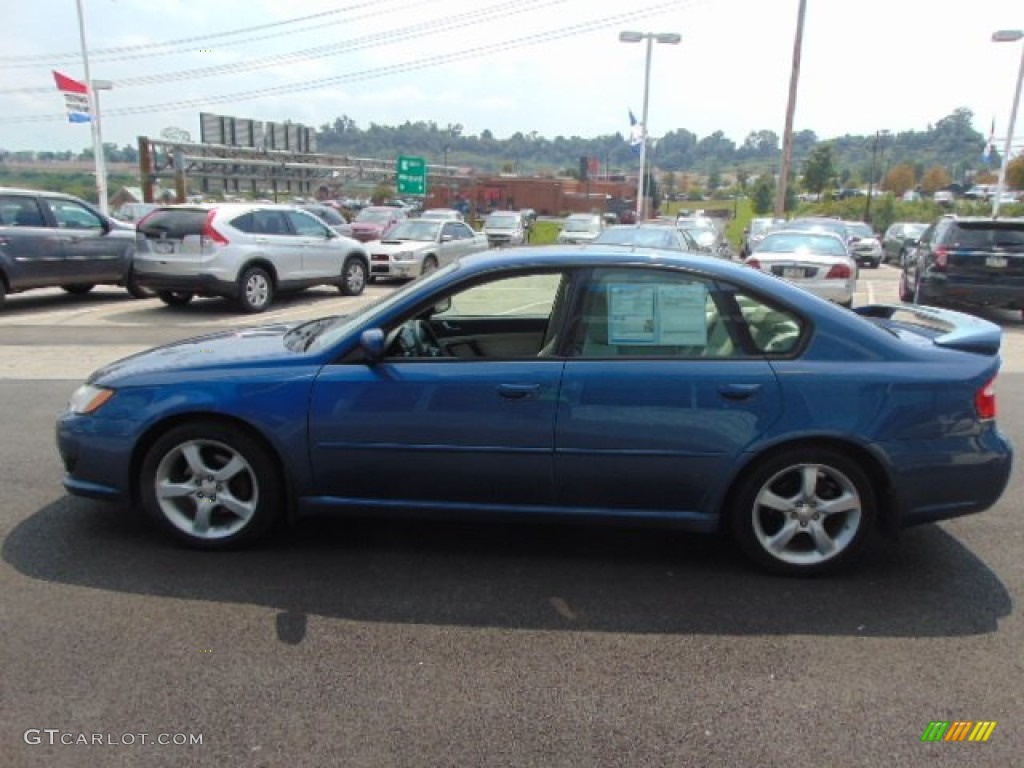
x,y
417,246
819,262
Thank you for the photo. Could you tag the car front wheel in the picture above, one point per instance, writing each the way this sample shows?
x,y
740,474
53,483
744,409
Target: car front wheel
x,y
429,265
804,511
210,486
353,277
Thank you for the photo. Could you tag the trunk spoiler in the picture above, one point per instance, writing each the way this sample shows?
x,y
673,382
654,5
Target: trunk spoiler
x,y
957,330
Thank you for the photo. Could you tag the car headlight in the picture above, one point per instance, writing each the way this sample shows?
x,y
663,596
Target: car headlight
x,y
404,256
88,398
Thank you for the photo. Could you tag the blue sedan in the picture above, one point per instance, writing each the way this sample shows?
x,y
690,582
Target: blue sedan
x,y
645,387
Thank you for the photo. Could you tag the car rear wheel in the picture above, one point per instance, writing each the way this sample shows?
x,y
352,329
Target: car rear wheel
x,y
174,298
803,511
210,486
255,290
78,289
353,277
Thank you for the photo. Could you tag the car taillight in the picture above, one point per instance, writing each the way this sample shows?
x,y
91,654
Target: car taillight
x,y
985,401
941,257
839,272
752,262
210,233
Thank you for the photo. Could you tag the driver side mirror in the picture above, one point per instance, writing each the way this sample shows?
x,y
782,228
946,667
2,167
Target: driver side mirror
x,y
442,306
372,343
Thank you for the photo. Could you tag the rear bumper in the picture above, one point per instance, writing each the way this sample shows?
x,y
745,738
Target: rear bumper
x,y
967,487
210,285
988,293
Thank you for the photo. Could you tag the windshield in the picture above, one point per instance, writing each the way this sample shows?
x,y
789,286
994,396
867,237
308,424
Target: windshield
x,y
588,224
860,230
798,242
342,325
695,223
641,237
375,215
502,222
422,230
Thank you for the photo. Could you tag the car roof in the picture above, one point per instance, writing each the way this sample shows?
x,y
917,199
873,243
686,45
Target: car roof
x,y
37,192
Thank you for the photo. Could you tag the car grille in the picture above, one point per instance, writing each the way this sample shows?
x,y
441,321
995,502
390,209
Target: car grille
x,y
379,257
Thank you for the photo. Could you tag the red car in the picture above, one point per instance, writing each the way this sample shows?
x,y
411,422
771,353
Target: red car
x,y
373,222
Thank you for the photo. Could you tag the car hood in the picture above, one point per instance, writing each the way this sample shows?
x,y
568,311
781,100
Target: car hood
x,y
400,246
221,351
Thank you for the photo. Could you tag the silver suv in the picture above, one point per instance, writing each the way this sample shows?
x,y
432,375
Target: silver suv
x,y
244,251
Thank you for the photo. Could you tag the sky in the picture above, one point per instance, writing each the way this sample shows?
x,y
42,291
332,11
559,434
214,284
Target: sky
x,y
551,66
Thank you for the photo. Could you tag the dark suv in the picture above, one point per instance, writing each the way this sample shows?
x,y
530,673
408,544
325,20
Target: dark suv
x,y
971,260
50,240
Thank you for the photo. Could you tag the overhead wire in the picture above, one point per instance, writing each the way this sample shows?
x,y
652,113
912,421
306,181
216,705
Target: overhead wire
x,y
375,72
99,53
323,51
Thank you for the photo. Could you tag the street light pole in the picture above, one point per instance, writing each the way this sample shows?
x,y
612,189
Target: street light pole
x,y
669,38
871,179
1008,36
94,122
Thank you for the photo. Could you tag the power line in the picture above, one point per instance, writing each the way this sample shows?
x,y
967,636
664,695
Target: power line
x,y
323,51
36,58
368,74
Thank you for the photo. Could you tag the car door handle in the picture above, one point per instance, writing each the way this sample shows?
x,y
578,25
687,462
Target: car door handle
x,y
518,391
451,327
738,391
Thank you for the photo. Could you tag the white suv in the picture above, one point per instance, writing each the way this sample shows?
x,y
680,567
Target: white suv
x,y
244,251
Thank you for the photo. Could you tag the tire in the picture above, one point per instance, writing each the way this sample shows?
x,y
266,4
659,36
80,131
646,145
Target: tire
x,y
3,291
353,277
905,293
79,289
429,265
175,298
210,486
777,513
255,290
136,291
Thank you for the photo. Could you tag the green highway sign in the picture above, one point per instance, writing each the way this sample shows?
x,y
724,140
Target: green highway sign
x,y
411,175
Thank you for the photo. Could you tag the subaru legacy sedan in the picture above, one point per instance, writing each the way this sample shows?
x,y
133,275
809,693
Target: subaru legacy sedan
x,y
645,387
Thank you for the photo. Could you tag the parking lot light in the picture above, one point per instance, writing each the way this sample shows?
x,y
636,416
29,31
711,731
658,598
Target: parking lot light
x,y
1008,36
668,38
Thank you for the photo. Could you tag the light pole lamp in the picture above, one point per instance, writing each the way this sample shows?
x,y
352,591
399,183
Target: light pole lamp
x,y
1008,36
668,38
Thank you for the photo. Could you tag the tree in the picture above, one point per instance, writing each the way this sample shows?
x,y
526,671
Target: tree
x,y
1015,173
899,179
934,178
819,169
763,197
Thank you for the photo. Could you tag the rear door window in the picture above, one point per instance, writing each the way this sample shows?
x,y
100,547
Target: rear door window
x,y
20,211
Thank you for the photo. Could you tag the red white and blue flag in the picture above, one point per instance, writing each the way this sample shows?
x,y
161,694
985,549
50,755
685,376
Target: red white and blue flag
x,y
76,98
636,133
990,147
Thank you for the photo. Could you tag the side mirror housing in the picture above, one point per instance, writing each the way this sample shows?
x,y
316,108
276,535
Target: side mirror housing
x,y
372,343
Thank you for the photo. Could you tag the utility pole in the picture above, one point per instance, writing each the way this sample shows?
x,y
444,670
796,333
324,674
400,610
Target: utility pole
x,y
787,136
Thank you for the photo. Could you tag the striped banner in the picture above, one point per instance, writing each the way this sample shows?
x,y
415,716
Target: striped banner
x,y
76,98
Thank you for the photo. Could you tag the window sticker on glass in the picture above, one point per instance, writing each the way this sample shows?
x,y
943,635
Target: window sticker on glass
x,y
663,315
631,314
681,315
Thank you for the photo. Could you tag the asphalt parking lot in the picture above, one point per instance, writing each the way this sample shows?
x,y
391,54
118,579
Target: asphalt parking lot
x,y
401,643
